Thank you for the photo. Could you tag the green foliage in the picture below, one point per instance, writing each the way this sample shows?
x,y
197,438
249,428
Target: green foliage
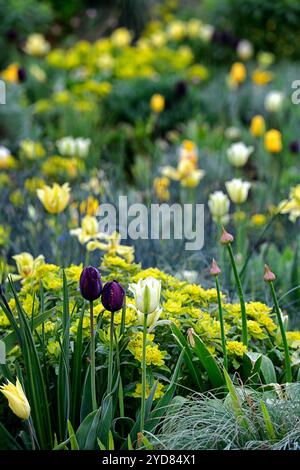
x,y
270,25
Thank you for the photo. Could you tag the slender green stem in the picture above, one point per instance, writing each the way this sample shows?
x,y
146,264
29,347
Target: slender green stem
x,y
283,335
241,296
123,318
144,372
31,434
110,357
120,391
92,354
223,338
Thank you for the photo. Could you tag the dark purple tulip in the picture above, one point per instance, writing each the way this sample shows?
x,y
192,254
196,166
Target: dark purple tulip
x,y
181,88
90,283
21,74
294,146
113,296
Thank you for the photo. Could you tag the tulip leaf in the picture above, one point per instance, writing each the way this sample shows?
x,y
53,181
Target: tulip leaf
x,y
188,357
208,363
268,370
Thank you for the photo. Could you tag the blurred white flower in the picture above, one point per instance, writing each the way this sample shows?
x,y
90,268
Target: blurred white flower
x,y
70,146
244,49
239,153
219,204
273,101
238,190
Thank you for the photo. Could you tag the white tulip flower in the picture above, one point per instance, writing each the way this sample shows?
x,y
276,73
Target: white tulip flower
x,y
147,295
244,49
273,101
238,190
219,204
238,154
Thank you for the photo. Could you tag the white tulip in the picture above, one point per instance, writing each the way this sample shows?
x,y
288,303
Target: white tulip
x,y
146,294
4,154
82,146
238,190
239,153
244,49
66,146
273,101
219,204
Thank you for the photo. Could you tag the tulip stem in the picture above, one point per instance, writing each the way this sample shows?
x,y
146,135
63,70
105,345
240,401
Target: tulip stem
x,y
221,320
144,372
241,296
289,376
31,433
110,357
92,354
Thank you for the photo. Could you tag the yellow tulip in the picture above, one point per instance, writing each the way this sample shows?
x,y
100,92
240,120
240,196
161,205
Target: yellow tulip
x,y
26,264
36,45
238,73
17,400
54,199
273,142
262,77
157,103
258,126
11,73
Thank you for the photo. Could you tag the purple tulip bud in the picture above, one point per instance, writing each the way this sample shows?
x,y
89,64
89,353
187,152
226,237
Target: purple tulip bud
x,y
90,283
113,296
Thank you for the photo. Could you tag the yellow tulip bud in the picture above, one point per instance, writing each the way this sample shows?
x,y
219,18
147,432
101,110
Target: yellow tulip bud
x,y
257,127
273,142
157,103
238,73
17,400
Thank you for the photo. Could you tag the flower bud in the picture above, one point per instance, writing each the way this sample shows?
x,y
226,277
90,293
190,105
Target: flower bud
x,y
147,294
226,237
17,400
269,276
112,296
90,283
214,270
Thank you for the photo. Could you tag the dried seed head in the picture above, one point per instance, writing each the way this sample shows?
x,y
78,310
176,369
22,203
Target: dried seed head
x,y
190,336
214,270
269,276
226,237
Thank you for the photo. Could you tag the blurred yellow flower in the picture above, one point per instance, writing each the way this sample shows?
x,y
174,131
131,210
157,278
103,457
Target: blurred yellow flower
x,y
273,141
11,73
262,77
258,219
238,73
36,45
89,206
88,230
17,400
157,103
31,150
113,247
27,264
292,205
56,198
161,188
121,37
257,126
